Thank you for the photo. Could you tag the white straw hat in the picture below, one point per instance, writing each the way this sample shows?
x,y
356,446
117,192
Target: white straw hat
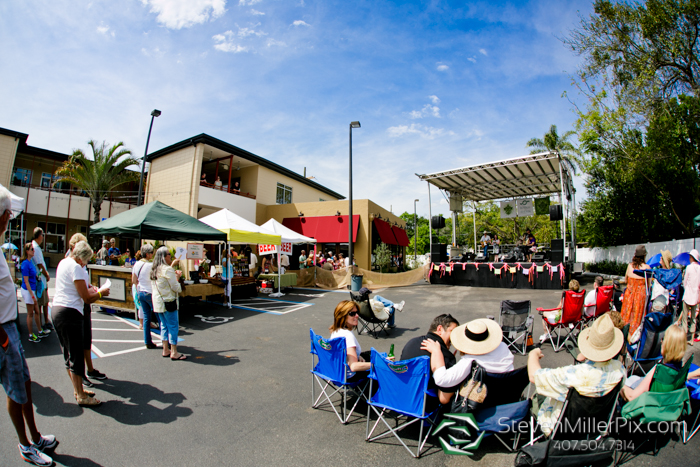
x,y
477,337
602,341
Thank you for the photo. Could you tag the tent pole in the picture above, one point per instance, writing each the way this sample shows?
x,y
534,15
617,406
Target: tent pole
x,y
430,220
230,290
474,218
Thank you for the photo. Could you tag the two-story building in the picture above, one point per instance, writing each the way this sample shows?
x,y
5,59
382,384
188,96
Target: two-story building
x,y
59,209
198,176
202,174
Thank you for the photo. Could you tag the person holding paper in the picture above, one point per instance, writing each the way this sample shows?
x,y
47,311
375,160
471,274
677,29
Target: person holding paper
x,y
72,293
166,289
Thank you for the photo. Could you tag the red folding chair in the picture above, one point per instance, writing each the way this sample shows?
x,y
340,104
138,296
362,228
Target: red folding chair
x,y
571,319
603,299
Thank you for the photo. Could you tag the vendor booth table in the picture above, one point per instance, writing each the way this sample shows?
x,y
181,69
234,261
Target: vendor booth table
x,y
281,281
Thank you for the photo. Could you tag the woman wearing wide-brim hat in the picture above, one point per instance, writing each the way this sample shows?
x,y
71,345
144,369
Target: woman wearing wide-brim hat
x,y
480,340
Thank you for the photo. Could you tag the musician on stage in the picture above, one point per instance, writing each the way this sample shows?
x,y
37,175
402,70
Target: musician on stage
x,y
485,242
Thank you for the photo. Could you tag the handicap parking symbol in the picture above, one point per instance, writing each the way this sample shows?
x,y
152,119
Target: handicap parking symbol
x,y
214,319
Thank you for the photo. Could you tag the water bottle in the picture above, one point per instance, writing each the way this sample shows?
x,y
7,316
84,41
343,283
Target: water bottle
x,y
391,352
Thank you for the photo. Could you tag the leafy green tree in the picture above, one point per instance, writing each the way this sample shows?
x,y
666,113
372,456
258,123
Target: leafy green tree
x,y
382,256
561,144
98,176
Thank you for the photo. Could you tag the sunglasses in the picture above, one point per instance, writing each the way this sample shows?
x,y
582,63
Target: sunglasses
x,y
352,313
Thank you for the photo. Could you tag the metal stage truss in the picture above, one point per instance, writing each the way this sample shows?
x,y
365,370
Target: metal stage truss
x,y
540,174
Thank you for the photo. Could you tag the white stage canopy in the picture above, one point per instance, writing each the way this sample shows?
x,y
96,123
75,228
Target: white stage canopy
x,y
536,174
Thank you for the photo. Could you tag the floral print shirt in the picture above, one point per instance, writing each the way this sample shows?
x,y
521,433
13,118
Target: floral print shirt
x,y
591,379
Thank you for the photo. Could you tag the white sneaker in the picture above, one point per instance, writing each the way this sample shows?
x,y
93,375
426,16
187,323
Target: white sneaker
x,y
399,306
544,337
46,442
33,455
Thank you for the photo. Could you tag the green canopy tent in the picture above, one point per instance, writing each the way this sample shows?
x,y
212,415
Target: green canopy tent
x,y
157,221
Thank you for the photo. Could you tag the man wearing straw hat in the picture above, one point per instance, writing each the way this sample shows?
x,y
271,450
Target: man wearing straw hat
x,y
478,340
597,376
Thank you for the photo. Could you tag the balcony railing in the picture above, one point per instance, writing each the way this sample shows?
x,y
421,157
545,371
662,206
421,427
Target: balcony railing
x,y
226,189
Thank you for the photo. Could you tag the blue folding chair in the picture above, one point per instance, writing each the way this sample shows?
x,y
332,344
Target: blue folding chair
x,y
502,411
330,373
647,350
402,389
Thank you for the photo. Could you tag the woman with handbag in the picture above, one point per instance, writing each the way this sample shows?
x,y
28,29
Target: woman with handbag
x,y
478,341
166,288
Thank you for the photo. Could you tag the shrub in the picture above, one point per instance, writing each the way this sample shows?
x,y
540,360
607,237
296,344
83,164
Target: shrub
x,y
614,268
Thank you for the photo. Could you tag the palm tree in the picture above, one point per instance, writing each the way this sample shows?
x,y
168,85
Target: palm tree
x,y
100,175
561,144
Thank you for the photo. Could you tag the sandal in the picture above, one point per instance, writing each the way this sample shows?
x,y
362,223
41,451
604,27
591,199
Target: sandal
x,y
166,356
87,393
88,402
181,357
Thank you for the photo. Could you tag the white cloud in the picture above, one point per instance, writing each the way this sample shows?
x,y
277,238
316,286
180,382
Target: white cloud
x,y
442,67
255,12
300,23
423,131
245,32
248,2
177,14
145,52
483,52
435,99
427,109
272,42
472,59
225,43
416,114
103,29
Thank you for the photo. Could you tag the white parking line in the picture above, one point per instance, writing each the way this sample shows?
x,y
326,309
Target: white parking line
x,y
265,305
132,328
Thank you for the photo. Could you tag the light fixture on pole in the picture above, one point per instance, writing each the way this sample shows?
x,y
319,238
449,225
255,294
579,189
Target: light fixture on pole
x,y
415,232
154,114
352,125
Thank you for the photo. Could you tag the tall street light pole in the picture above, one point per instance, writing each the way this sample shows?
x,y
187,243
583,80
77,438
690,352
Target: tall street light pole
x,y
350,255
154,114
415,233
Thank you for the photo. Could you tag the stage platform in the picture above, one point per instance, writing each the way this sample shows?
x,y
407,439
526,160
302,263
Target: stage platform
x,y
501,275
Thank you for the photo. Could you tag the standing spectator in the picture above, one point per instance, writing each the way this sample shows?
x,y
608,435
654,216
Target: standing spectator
x,y
87,321
691,296
14,372
617,295
302,259
284,262
226,273
72,293
636,292
129,260
253,261
113,253
218,184
140,276
103,253
28,290
660,296
43,301
166,287
203,180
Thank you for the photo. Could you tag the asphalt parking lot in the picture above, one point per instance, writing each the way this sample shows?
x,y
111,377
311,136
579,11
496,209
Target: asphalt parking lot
x,y
243,397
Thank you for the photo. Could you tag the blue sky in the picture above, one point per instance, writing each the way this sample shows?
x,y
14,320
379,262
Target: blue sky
x,y
436,85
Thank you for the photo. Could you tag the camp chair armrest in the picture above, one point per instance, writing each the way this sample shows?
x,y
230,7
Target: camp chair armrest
x,y
540,310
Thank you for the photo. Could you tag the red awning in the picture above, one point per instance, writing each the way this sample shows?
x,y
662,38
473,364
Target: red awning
x,y
385,233
325,229
401,236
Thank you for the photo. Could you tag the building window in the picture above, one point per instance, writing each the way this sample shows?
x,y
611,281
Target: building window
x,y
284,194
21,177
55,237
46,182
83,229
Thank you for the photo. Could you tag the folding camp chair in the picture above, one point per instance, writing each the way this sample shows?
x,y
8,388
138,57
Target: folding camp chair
x,y
330,373
368,321
570,320
579,436
651,407
516,323
603,301
503,410
402,390
647,350
694,389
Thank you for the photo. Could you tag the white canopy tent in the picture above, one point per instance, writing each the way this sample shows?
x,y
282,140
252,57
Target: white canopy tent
x,y
17,207
240,231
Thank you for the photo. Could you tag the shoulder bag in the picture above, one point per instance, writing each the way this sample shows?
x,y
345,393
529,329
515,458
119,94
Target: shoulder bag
x,y
472,392
170,305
